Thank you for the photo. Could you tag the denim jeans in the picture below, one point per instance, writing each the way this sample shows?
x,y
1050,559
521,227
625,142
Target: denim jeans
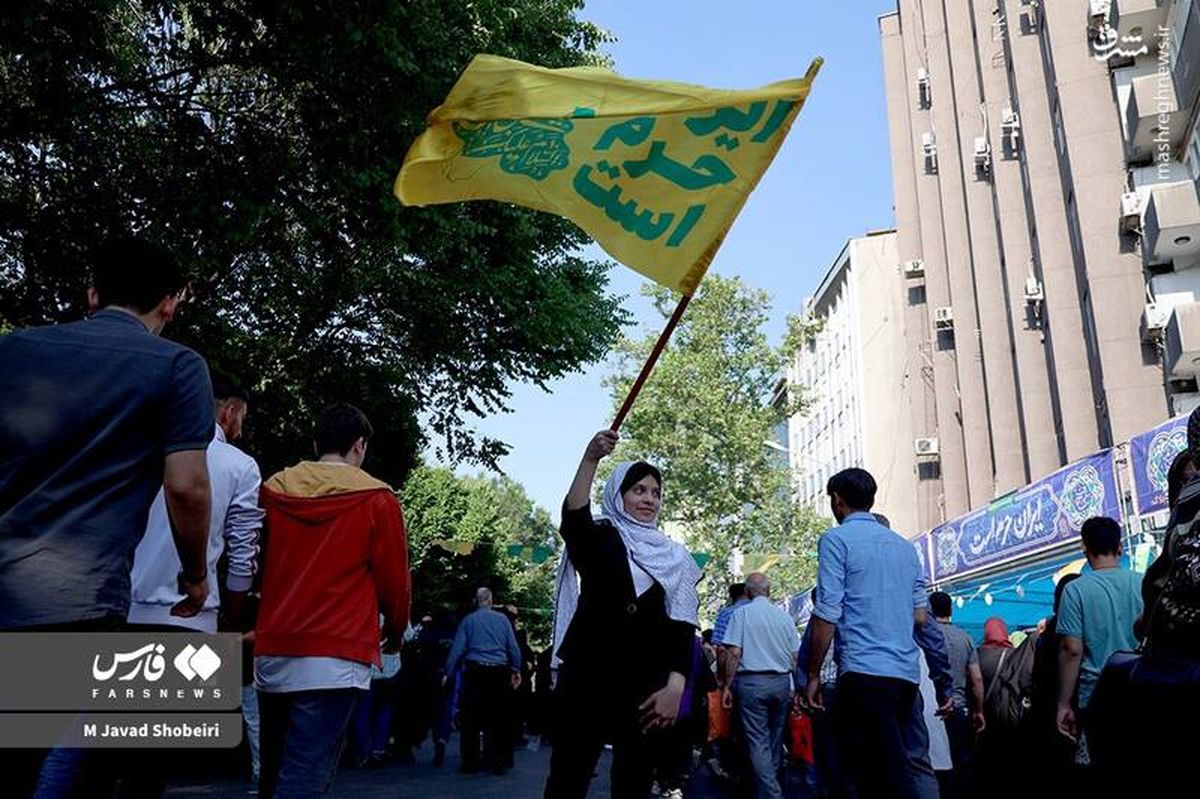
x,y
916,745
373,719
302,738
764,701
251,718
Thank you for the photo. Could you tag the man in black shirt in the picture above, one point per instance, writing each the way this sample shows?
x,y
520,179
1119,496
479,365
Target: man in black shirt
x,y
97,415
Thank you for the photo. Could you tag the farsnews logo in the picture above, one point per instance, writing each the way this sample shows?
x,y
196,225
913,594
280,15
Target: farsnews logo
x,y
148,663
192,662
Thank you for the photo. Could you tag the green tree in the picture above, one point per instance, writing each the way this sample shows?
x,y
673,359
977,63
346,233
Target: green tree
x,y
705,417
258,140
491,514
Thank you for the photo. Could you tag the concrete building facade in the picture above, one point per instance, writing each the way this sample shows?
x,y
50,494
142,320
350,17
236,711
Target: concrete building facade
x,y
1046,257
858,379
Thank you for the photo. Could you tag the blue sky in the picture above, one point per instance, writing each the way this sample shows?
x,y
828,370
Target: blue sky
x,y
831,180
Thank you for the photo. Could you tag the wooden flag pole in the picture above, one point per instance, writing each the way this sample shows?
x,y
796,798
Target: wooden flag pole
x,y
659,346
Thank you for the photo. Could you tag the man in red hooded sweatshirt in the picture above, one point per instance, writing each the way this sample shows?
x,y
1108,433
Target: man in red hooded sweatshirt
x,y
336,555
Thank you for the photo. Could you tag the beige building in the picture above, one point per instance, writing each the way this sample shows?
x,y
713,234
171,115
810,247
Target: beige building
x,y
1031,239
855,374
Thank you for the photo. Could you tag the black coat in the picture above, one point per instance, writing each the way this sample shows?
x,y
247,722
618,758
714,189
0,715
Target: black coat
x,y
617,640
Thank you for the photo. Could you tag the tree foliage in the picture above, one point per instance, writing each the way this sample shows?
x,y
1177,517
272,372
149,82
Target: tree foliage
x,y
258,139
490,513
705,417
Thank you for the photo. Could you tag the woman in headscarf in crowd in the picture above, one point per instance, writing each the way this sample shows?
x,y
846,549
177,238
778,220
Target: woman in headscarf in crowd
x,y
992,650
996,742
625,621
1182,470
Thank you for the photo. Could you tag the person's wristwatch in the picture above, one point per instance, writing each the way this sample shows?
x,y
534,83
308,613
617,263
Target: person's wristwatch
x,y
186,579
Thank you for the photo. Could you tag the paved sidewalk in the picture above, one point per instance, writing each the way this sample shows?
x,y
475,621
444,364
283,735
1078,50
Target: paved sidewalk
x,y
421,779
525,781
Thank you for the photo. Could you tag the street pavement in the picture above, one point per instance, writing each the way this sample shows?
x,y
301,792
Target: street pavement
x,y
420,779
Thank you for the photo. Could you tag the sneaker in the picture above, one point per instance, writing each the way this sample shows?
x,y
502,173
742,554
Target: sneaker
x,y
714,765
674,793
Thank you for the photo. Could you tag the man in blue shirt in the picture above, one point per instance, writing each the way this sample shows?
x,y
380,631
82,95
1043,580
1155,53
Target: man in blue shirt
x,y
485,641
95,417
737,598
725,762
762,643
871,591
1095,619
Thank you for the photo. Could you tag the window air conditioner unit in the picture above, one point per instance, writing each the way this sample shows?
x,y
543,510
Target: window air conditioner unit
x,y
983,153
1033,290
1033,14
926,446
1097,17
914,268
943,318
924,87
1131,211
1010,124
929,148
1154,321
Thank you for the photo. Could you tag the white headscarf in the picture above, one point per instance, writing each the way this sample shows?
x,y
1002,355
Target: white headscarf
x,y
650,551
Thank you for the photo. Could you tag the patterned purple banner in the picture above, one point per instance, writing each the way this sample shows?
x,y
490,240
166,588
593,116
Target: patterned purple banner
x,y
1150,456
1036,517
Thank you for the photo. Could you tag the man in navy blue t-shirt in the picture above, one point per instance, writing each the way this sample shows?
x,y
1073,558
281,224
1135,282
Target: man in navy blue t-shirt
x,y
95,416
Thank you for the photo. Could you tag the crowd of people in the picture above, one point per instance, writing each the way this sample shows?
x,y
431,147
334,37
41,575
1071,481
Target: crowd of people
x,y
125,505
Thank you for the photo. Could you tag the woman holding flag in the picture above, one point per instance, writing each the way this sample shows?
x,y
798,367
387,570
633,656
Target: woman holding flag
x,y
656,172
623,588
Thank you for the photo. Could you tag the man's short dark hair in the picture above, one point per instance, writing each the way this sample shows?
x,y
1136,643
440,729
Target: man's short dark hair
x,y
134,273
736,591
856,487
339,427
940,604
226,388
1101,536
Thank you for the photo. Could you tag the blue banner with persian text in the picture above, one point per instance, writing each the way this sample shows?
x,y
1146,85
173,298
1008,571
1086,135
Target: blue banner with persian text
x,y
1150,455
1036,517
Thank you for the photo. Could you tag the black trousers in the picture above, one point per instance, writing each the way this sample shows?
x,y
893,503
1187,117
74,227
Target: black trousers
x,y
589,713
871,716
485,701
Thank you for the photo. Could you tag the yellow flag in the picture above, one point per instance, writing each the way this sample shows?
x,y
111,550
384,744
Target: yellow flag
x,y
655,172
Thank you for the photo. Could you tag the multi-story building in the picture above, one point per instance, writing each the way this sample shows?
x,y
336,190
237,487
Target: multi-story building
x,y
855,377
1153,52
1042,244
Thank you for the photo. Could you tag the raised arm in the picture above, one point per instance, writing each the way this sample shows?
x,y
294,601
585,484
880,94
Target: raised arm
x,y
601,445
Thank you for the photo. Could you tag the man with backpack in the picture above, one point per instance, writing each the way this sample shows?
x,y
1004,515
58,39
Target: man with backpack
x,y
1095,620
